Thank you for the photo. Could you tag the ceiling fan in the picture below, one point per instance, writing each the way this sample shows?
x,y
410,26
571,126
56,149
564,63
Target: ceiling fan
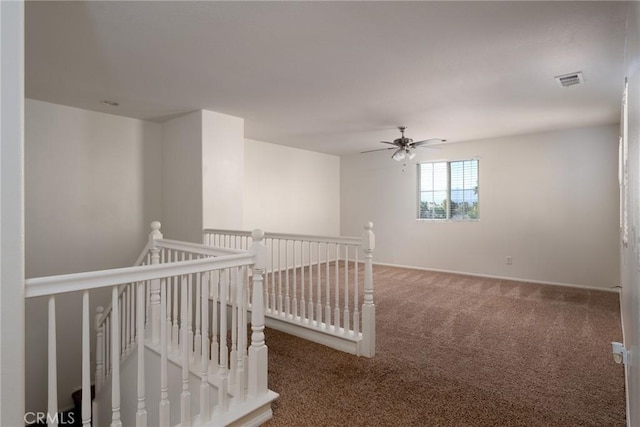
x,y
406,147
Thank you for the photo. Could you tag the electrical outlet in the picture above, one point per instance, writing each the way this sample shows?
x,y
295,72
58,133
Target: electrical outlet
x,y
509,260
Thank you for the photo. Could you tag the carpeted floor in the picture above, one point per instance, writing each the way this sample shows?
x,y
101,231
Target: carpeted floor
x,y
455,350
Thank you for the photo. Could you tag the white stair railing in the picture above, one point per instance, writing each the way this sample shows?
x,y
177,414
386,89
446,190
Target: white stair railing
x,y
314,286
139,314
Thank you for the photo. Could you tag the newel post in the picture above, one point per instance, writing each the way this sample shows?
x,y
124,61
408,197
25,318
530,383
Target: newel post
x,y
258,350
368,307
154,298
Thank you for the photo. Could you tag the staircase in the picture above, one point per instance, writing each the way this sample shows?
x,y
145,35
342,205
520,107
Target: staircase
x,y
182,342
152,366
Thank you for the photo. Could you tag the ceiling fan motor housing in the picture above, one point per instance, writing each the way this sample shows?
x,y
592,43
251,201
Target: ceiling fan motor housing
x,y
403,141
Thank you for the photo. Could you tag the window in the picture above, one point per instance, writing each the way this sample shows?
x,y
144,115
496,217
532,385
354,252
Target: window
x,y
448,190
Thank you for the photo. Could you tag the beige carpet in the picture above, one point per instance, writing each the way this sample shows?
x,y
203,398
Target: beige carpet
x,y
456,350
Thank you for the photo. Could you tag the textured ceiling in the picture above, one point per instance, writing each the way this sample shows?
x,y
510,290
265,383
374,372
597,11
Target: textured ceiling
x,y
335,77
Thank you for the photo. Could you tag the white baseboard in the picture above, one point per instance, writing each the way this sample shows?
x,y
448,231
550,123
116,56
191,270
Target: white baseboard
x,y
489,276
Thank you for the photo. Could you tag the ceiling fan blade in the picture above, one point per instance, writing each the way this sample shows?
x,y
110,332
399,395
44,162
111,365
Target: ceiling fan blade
x,y
428,141
379,149
429,147
392,143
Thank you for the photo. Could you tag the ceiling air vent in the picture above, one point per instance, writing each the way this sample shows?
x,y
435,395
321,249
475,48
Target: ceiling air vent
x,y
572,79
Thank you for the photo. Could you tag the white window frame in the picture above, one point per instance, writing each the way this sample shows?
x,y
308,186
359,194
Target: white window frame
x,y
448,191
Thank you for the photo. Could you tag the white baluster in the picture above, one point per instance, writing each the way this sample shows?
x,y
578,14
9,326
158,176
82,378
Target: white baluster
x,y
197,344
273,278
99,348
346,290
242,334
310,302
86,365
223,401
175,331
204,361
319,285
164,407
336,303
295,282
303,301
233,357
169,283
141,413
214,285
115,359
124,322
147,294
121,322
107,346
185,396
287,298
52,406
129,324
155,284
248,289
129,316
147,306
327,307
132,314
356,309
190,311
368,307
280,300
258,352
127,301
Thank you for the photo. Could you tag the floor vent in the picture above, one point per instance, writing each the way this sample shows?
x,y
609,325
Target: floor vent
x,y
572,79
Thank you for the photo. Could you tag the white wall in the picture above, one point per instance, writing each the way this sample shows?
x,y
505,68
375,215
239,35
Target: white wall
x,y
222,171
548,200
182,178
12,307
630,265
92,186
290,190
92,189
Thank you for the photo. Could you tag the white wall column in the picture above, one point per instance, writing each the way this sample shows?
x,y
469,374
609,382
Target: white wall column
x,y
630,253
12,213
222,170
182,177
202,174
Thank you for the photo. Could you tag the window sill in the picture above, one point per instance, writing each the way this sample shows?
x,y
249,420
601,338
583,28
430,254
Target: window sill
x,y
447,220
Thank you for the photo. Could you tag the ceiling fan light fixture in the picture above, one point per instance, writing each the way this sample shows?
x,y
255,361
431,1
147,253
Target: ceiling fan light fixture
x,y
411,154
398,155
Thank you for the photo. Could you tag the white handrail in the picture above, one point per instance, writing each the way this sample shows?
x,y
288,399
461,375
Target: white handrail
x,y
41,286
144,253
343,240
196,248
